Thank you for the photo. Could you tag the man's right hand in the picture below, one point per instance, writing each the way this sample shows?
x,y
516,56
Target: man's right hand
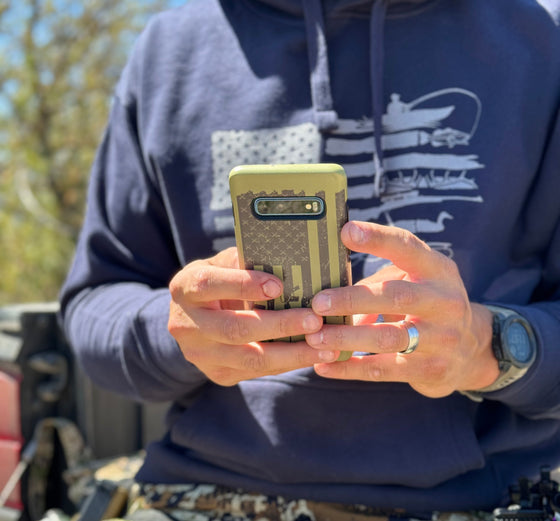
x,y
224,340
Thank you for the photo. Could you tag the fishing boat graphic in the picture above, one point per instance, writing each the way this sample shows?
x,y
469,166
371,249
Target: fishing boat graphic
x,y
419,142
427,160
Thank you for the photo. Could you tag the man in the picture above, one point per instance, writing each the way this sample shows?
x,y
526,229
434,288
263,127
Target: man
x,y
445,118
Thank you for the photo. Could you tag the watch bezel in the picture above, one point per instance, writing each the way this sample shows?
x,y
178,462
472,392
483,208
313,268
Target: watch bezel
x,y
508,356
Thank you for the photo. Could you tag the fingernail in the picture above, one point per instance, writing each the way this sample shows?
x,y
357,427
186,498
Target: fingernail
x,y
315,338
356,233
323,369
328,356
322,302
272,289
312,322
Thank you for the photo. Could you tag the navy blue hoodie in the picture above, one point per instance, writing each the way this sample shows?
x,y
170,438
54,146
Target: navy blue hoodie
x,y
445,115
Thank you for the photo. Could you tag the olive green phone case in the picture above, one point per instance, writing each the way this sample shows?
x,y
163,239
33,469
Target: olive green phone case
x,y
302,248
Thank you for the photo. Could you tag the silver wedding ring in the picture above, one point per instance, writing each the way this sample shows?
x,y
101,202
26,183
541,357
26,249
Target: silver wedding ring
x,y
413,337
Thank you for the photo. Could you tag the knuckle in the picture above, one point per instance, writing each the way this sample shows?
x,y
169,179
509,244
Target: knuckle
x,y
187,280
245,289
450,337
179,325
283,326
387,339
372,371
201,280
411,241
254,362
449,267
435,369
174,328
176,288
348,301
401,294
458,306
195,357
335,337
302,357
224,376
173,322
233,330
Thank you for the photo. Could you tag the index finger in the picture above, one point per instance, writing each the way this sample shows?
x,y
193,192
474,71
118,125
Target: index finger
x,y
201,282
404,249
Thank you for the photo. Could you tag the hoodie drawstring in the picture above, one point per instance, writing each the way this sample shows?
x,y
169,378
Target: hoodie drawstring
x,y
377,56
321,97
325,116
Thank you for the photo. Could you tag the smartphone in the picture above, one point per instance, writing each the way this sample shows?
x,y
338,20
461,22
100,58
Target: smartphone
x,y
288,220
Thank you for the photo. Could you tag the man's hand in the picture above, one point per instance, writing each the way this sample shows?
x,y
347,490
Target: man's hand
x,y
224,340
422,286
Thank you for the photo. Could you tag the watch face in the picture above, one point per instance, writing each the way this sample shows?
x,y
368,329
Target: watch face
x,y
518,342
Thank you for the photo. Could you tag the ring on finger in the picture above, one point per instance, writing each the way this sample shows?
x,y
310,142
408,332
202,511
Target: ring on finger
x,y
413,337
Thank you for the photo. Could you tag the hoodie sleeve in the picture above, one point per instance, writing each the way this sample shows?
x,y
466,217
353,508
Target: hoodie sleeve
x,y
537,394
115,302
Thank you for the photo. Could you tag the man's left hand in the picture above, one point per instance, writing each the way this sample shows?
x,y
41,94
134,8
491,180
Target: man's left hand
x,y
421,286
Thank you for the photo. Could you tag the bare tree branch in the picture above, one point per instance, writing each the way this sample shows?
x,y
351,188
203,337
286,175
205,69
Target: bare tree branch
x,y
30,202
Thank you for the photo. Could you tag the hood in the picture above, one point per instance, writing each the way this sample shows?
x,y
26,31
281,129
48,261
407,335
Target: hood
x,y
336,7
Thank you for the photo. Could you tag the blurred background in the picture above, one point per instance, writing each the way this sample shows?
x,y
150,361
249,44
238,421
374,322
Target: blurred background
x,y
59,62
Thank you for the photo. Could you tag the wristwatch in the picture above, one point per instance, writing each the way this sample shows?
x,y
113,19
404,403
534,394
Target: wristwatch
x,y
514,345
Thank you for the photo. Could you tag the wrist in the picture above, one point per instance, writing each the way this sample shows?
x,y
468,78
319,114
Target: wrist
x,y
485,365
513,347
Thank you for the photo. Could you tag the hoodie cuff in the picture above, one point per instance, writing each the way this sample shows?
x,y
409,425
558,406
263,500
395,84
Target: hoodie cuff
x,y
150,328
534,394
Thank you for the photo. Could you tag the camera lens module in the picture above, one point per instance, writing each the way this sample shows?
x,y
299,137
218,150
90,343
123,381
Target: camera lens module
x,y
304,207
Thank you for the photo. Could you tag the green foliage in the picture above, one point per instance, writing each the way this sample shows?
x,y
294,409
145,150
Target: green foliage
x,y
59,62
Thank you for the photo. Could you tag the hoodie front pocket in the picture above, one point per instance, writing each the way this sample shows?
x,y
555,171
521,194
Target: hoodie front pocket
x,y
331,433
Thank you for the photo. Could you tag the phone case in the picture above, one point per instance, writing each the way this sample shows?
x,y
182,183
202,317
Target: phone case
x,y
304,251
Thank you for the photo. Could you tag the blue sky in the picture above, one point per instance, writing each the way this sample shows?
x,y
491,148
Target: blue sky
x,y
12,26
19,10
